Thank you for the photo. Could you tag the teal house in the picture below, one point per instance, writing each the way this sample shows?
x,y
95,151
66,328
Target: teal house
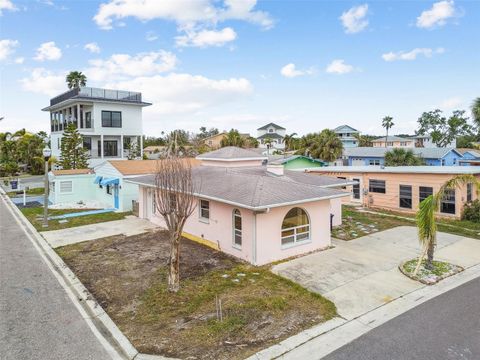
x,y
293,162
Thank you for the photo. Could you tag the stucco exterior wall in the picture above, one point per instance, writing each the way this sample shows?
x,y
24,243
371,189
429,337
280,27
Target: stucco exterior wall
x,y
390,200
81,188
264,229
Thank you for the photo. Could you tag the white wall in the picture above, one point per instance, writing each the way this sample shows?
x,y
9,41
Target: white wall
x,y
131,119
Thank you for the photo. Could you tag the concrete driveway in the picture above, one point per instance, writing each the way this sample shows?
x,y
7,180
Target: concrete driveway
x,y
361,275
129,226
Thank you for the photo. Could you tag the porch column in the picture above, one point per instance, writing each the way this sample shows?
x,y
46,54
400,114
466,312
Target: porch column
x,y
101,146
121,146
78,116
141,146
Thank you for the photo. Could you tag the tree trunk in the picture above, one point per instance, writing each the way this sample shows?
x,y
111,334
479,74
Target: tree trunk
x,y
430,251
174,271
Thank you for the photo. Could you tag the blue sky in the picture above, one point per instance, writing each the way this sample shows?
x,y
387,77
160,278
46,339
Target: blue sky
x,y
306,65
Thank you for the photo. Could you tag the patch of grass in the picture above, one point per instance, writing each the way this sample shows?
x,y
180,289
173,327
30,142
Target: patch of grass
x,y
440,270
259,308
33,191
35,216
356,223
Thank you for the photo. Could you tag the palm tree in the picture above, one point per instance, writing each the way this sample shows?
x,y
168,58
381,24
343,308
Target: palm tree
x,y
427,228
476,112
268,141
233,138
387,123
402,157
289,141
325,145
76,79
363,140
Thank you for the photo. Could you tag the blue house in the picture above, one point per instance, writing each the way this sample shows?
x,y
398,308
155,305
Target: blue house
x,y
470,157
375,156
347,135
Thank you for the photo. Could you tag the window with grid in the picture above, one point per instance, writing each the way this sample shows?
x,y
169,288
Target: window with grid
x,y
237,228
469,192
447,204
424,192
295,227
405,196
112,119
204,210
66,186
377,186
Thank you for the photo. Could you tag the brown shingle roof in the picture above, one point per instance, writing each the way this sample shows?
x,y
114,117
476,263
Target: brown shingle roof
x,y
72,172
141,167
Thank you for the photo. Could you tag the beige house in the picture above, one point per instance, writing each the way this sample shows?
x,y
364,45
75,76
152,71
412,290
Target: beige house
x,y
394,141
214,141
402,188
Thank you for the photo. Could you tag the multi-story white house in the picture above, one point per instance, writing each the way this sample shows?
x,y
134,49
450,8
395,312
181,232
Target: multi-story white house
x,y
347,135
271,136
109,120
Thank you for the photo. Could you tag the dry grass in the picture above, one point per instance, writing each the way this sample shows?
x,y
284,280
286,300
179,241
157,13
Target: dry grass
x,y
128,278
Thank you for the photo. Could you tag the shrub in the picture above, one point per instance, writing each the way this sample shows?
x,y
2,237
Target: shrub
x,y
471,211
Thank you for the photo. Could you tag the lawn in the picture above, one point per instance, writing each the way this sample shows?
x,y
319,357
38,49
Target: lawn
x,y
33,191
357,223
127,276
35,216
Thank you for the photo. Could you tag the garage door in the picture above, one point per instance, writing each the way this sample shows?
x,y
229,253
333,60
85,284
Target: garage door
x,y
358,162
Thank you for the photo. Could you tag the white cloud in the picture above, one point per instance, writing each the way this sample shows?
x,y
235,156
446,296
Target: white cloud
x,y
48,51
122,66
151,36
411,55
451,103
92,47
436,16
206,38
290,71
339,66
181,11
185,93
45,82
7,5
19,60
354,20
7,47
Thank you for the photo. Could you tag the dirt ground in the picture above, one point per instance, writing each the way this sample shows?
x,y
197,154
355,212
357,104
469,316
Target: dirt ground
x,y
127,276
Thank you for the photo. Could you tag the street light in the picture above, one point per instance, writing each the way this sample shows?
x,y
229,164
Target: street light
x,y
46,155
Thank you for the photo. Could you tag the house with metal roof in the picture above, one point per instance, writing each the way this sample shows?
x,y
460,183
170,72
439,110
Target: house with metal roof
x,y
470,157
347,135
271,137
365,156
296,161
259,213
394,141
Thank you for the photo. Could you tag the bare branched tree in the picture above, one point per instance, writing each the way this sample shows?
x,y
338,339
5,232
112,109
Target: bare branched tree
x,y
175,202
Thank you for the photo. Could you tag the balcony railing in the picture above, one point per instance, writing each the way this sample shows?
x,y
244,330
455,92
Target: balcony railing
x,y
97,93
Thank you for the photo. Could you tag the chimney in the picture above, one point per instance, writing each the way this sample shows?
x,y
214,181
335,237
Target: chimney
x,y
275,169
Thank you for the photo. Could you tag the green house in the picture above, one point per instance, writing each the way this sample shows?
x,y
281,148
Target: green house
x,y
298,162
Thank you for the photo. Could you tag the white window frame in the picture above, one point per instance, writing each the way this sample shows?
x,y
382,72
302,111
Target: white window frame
x,y
236,231
200,208
60,186
296,241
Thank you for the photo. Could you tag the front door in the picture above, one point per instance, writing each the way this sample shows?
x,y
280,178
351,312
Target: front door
x,y
356,189
115,197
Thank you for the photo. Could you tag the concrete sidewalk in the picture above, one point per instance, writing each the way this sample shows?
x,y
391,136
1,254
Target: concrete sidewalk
x,y
129,226
361,275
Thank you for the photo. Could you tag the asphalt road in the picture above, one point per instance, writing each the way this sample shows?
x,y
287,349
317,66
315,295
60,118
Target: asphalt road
x,y
37,318
446,327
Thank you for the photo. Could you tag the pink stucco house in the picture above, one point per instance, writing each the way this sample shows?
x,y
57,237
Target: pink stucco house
x,y
257,212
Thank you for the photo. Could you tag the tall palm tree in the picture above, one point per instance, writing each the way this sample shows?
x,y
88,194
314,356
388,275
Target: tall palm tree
x,y
427,228
289,141
387,123
76,79
363,140
325,145
476,112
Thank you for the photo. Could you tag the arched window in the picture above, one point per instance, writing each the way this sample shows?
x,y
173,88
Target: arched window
x,y
295,227
237,228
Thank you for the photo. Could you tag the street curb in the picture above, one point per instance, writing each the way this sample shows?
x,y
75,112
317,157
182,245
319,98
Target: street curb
x,y
106,329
